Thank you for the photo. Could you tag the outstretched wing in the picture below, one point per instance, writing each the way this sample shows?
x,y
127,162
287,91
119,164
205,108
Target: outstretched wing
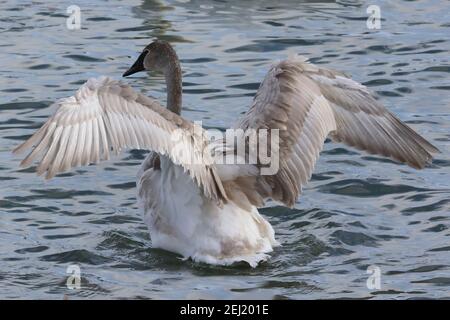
x,y
307,104
364,123
105,115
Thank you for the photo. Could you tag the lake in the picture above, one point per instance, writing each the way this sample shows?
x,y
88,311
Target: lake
x,y
359,210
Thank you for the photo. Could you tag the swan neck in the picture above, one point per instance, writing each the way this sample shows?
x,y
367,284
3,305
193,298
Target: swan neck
x,y
174,86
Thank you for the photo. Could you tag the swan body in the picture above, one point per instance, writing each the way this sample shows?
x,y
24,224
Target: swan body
x,y
182,220
194,204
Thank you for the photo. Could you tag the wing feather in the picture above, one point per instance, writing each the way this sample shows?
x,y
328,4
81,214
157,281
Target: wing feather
x,y
364,123
95,141
51,151
78,155
105,113
86,155
42,139
71,147
307,103
291,102
103,138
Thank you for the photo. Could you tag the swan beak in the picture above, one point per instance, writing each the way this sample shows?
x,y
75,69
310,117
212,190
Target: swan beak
x,y
137,66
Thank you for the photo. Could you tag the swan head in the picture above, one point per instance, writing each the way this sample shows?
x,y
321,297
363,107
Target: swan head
x,y
157,56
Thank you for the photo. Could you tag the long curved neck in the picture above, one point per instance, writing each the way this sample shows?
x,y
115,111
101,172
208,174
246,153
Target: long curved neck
x,y
174,85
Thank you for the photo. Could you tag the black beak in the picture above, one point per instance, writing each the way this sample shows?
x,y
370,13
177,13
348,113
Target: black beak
x,y
137,66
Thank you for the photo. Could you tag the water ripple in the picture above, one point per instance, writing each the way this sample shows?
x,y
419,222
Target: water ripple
x,y
358,210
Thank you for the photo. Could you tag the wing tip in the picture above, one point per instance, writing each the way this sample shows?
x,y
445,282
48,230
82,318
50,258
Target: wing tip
x,y
433,149
19,149
24,163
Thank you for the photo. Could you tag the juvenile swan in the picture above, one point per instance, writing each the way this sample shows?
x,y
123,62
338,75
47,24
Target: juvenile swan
x,y
194,205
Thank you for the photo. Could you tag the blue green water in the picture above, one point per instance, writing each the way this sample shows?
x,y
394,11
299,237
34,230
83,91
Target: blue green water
x,y
358,210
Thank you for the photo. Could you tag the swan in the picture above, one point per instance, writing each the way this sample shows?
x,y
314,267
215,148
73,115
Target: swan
x,y
206,210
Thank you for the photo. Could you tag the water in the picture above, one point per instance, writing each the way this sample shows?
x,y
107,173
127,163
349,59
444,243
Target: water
x,y
358,210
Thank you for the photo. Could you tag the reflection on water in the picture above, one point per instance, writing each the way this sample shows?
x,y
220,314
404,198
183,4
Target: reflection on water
x,y
359,210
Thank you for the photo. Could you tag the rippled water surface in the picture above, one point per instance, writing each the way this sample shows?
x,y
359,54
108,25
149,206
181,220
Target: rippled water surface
x,y
358,210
